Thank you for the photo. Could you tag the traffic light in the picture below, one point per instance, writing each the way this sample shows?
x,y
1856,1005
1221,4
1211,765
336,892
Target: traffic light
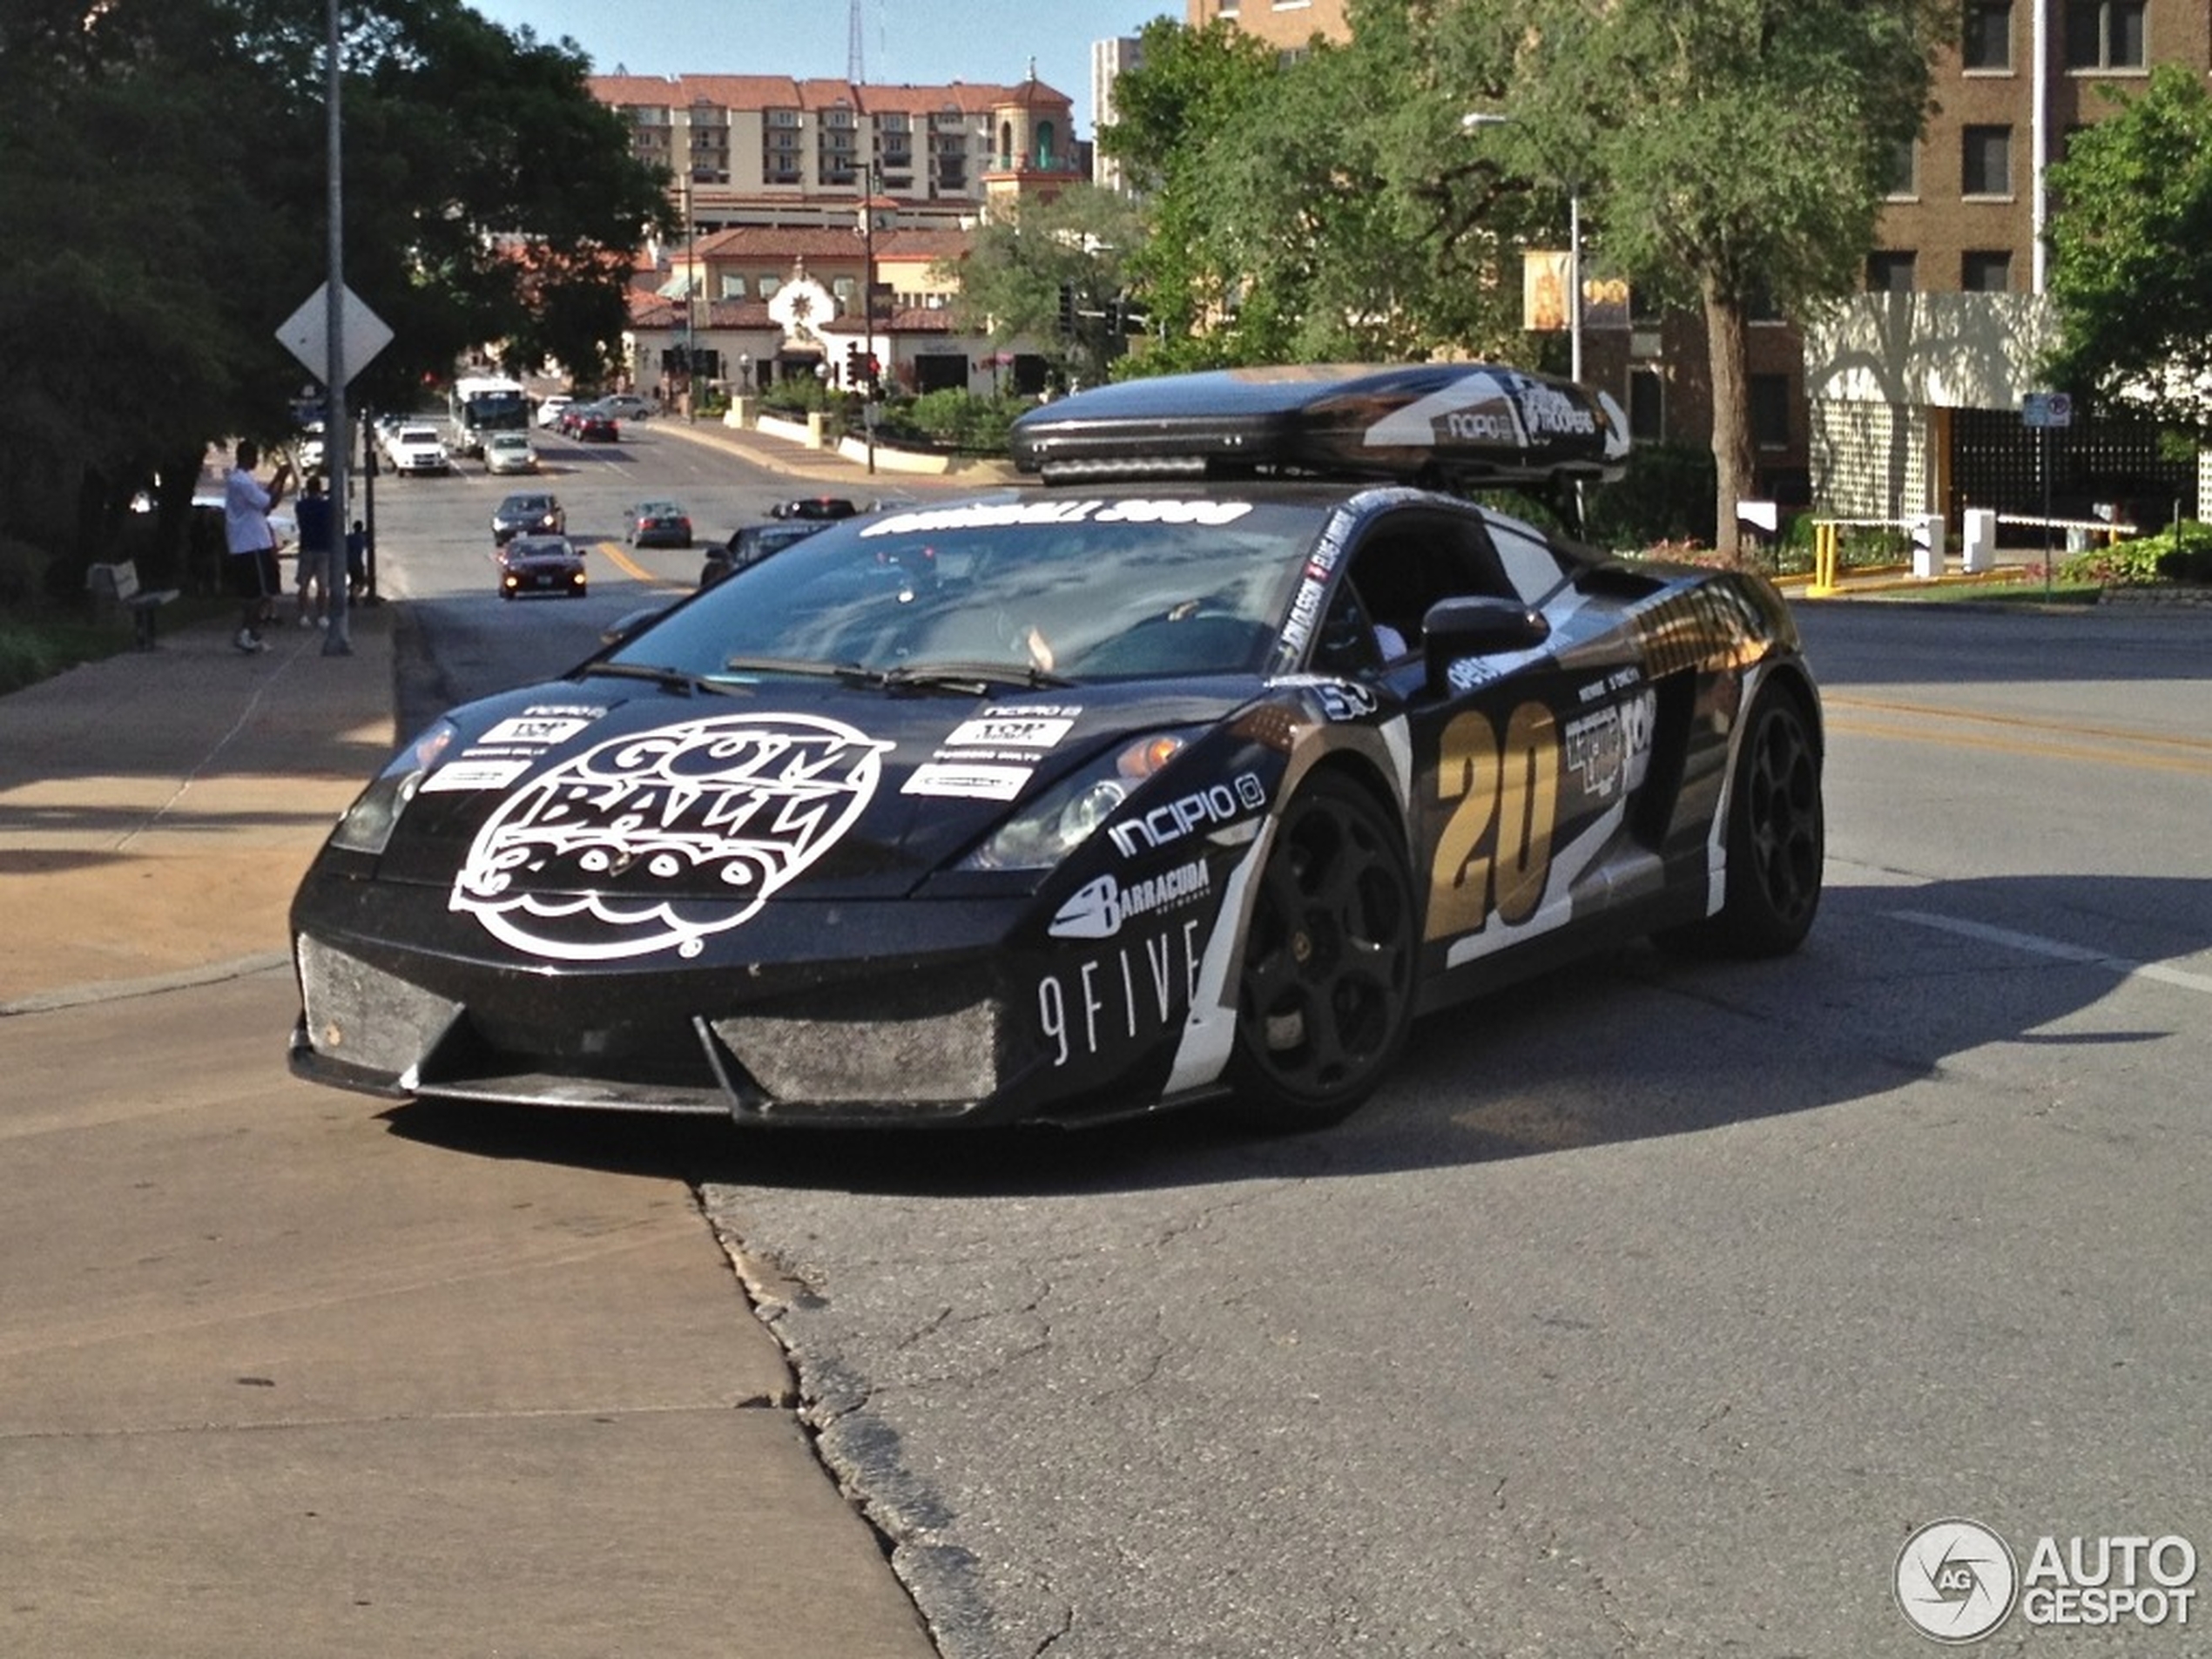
x,y
1067,311
856,365
874,372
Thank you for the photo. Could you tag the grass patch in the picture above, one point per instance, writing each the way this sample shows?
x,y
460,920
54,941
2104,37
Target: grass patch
x,y
36,645
2025,591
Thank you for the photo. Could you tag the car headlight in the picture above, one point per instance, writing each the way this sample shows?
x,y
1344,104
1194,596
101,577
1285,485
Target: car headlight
x,y
368,823
1069,813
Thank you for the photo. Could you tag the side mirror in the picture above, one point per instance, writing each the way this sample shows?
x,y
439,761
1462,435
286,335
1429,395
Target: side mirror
x,y
1476,626
624,628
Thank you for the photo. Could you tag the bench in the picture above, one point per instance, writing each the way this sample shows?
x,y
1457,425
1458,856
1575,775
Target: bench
x,y
118,585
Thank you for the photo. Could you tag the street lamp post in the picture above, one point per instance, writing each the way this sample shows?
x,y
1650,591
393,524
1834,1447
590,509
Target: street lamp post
x,y
869,181
1474,120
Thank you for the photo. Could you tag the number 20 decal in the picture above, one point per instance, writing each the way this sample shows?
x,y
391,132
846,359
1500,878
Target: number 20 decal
x,y
1496,849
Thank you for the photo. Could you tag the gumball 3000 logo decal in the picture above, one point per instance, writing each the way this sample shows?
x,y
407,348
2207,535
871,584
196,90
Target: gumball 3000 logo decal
x,y
655,840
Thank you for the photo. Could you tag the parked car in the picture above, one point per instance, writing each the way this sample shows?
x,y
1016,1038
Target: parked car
x,y
753,543
509,452
658,523
419,449
540,564
627,406
1075,803
533,513
550,410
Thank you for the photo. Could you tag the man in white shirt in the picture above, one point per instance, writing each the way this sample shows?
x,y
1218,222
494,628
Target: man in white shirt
x,y
251,544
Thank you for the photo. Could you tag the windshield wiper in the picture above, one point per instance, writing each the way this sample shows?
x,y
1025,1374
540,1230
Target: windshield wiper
x,y
675,680
974,677
791,665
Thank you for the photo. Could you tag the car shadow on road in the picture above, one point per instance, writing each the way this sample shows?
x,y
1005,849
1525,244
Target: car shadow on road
x,y
1896,981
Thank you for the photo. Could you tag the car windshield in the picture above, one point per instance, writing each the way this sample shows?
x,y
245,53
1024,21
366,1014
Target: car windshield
x,y
1084,589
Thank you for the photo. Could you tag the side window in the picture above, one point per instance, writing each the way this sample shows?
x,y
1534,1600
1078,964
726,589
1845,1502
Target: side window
x,y
1533,567
1409,559
1348,642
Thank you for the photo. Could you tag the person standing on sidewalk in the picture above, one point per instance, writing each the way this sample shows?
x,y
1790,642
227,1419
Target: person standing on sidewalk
x,y
318,552
251,544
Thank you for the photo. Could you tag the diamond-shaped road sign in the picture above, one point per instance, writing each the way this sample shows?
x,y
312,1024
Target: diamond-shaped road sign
x,y
306,333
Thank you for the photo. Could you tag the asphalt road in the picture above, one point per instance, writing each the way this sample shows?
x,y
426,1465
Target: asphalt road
x,y
1648,1310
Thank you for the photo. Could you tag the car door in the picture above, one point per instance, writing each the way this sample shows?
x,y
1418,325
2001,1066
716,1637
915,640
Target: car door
x,y
1526,753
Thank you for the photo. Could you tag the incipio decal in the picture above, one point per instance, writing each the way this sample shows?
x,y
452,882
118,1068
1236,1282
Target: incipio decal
x,y
1097,909
965,782
655,840
1209,808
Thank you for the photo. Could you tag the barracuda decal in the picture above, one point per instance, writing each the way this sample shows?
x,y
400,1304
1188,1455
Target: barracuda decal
x,y
1098,908
583,864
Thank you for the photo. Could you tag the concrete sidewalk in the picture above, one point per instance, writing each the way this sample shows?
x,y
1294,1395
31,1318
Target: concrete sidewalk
x,y
284,1372
158,807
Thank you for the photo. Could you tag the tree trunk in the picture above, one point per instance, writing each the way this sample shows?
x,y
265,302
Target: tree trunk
x,y
1731,416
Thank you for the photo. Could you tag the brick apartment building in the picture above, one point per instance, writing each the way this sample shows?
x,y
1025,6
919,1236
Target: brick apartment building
x,y
1910,401
772,177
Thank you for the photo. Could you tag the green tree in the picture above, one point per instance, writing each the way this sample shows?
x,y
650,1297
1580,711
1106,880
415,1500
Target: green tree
x,y
1322,207
1028,252
163,207
1731,153
2131,254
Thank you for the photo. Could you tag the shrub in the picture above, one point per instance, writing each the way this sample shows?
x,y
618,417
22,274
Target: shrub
x,y
2181,553
958,421
1666,495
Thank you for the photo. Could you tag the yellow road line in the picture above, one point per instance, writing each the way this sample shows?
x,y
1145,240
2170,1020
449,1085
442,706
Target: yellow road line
x,y
629,567
1921,710
1932,729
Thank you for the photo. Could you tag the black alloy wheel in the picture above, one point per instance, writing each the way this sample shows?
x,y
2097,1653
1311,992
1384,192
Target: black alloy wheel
x,y
1326,993
1777,837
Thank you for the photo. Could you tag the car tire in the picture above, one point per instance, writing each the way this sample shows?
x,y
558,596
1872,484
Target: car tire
x,y
1776,838
1326,991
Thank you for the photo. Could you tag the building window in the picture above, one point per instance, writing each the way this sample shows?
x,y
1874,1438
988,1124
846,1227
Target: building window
x,y
1987,158
1889,271
2104,34
768,287
1988,41
1647,406
1989,271
1904,171
732,286
1770,411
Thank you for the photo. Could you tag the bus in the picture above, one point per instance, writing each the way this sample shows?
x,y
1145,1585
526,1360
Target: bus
x,y
483,404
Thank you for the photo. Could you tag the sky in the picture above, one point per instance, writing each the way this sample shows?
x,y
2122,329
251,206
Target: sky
x,y
922,43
